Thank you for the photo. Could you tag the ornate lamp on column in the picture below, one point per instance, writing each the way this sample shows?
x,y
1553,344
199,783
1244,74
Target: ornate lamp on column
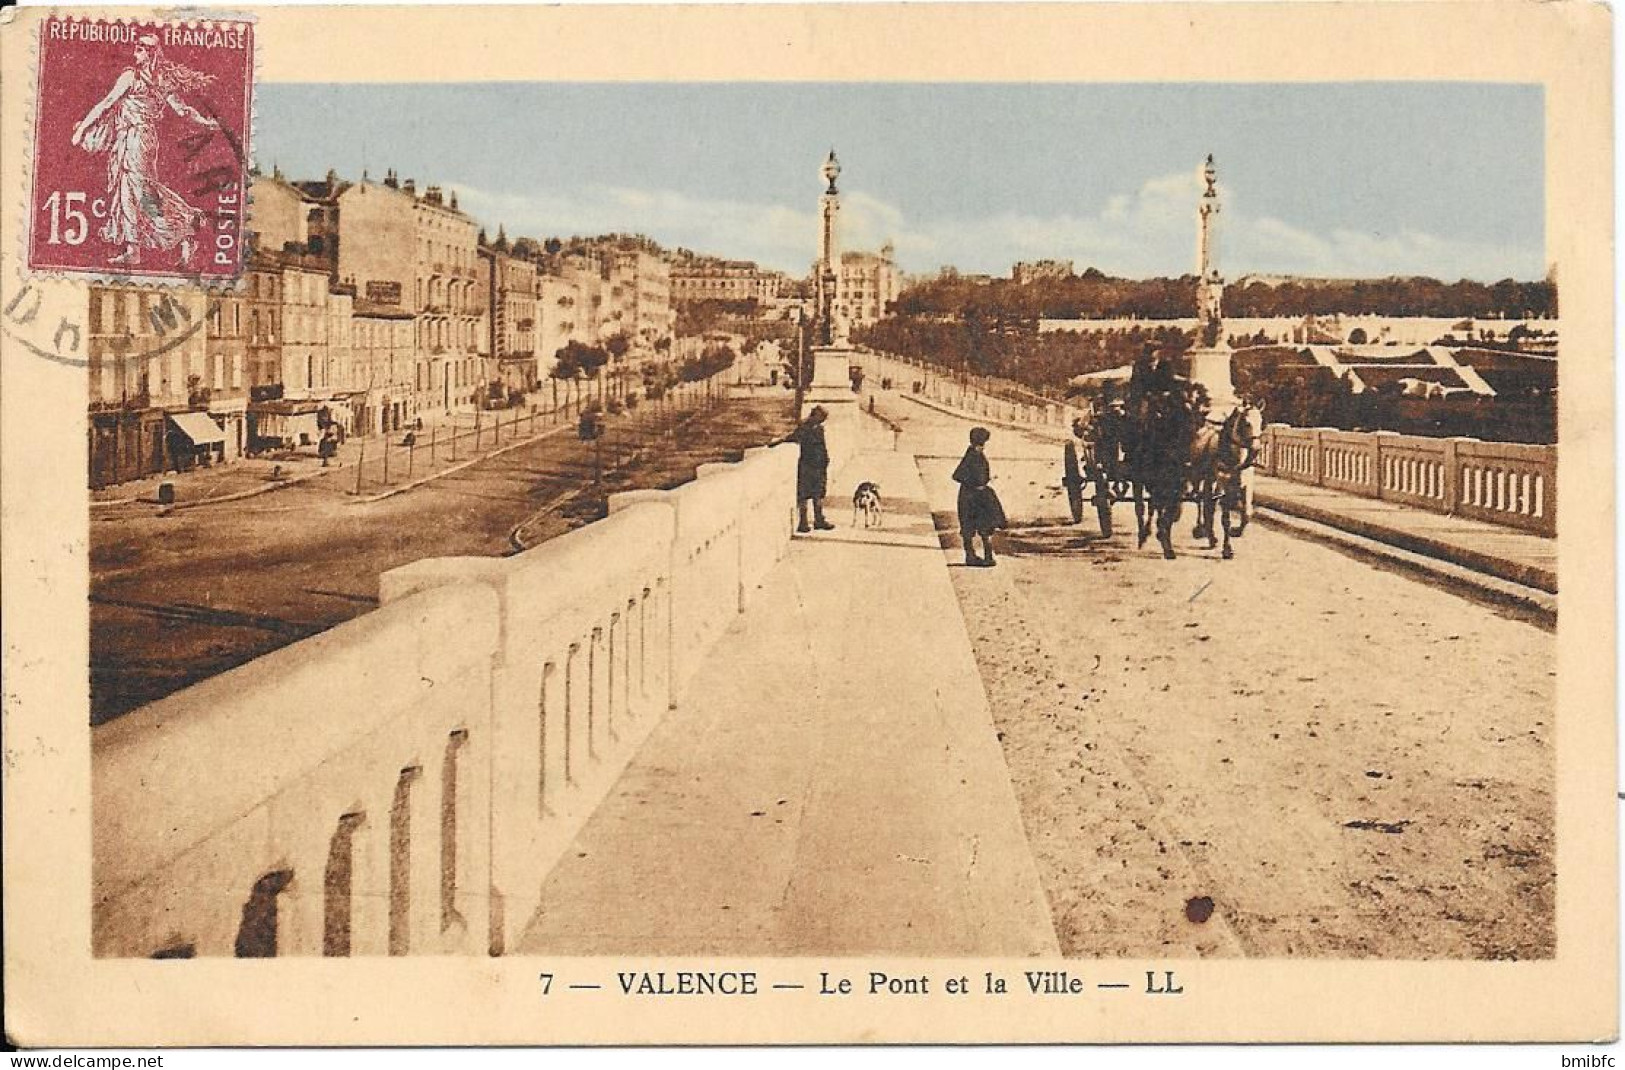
x,y
827,278
831,384
832,358
1210,359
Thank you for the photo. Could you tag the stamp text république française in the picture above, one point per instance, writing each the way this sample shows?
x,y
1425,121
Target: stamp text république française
x,y
120,33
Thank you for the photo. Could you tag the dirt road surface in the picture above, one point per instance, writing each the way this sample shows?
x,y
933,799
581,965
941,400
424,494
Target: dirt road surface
x,y
1291,753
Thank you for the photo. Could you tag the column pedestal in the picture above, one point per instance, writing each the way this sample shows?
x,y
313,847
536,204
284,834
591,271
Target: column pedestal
x,y
831,387
832,368
1210,366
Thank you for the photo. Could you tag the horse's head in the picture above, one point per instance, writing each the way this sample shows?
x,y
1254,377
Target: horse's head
x,y
1252,418
1238,439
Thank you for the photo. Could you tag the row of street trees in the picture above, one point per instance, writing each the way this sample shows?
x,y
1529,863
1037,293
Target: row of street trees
x,y
716,357
1042,361
744,318
577,362
1096,295
620,384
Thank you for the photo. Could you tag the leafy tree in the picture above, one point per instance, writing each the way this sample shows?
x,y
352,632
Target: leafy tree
x,y
576,361
701,317
1095,295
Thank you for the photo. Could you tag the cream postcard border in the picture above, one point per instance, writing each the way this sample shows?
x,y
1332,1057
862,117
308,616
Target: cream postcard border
x,y
56,994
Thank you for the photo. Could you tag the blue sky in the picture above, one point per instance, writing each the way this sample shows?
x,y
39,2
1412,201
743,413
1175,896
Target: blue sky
x,y
1333,179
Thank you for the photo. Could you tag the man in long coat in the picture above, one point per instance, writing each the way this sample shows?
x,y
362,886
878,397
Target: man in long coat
x,y
812,470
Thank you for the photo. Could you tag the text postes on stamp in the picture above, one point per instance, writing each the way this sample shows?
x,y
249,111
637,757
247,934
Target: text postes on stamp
x,y
141,149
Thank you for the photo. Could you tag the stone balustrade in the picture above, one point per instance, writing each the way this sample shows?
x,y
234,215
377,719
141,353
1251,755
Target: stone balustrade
x,y
327,798
402,783
1503,483
976,396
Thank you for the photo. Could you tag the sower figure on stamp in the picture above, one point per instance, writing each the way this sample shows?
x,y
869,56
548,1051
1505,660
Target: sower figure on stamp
x,y
812,470
142,212
980,511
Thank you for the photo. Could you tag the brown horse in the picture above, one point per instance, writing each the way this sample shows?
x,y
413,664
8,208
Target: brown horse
x,y
1156,456
1221,452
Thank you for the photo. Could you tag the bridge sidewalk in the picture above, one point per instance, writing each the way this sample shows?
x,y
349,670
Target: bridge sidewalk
x,y
1514,556
831,784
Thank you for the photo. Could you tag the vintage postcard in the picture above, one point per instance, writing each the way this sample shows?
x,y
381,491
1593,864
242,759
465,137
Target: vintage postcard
x,y
808,524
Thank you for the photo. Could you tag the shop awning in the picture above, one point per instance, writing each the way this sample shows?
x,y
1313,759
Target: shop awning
x,y
198,427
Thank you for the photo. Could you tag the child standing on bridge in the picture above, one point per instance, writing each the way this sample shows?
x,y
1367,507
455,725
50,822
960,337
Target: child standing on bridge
x,y
980,511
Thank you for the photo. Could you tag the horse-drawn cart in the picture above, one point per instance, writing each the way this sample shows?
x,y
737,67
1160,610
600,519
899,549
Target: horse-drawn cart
x,y
1160,449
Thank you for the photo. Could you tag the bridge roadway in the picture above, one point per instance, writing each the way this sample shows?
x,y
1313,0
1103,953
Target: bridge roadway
x,y
891,754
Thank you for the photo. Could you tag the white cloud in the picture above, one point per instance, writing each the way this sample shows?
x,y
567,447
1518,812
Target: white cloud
x,y
1150,231
1269,245
768,233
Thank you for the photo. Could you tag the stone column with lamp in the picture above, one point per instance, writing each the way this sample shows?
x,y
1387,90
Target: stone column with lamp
x,y
1210,359
832,354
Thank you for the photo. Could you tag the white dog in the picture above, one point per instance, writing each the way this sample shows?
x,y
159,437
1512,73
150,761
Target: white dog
x,y
866,503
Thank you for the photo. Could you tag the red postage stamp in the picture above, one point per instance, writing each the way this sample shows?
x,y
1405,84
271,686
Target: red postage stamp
x,y
141,148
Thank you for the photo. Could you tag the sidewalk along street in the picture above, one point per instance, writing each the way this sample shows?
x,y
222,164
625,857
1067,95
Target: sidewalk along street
x,y
178,596
382,463
383,466
276,468
212,485
1503,552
